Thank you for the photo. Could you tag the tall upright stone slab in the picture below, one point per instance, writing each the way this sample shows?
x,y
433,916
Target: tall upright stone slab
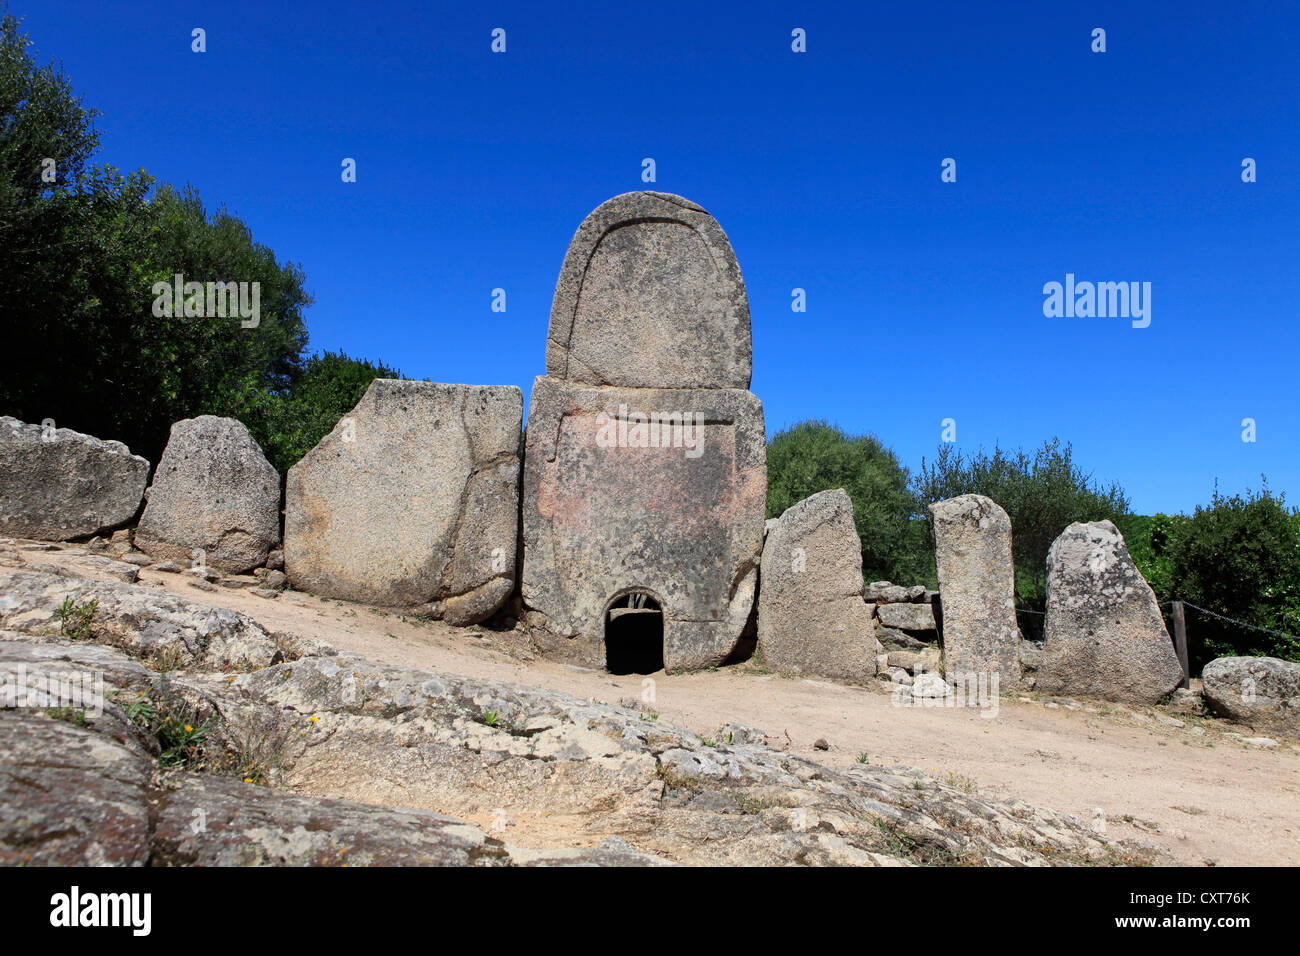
x,y
972,553
645,470
213,492
411,501
812,619
57,484
650,296
1105,636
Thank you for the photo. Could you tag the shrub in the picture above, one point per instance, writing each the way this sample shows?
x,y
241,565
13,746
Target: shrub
x,y
815,456
1041,493
1239,557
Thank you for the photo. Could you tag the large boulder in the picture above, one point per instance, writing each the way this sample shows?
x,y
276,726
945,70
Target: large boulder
x,y
972,554
650,296
57,484
1104,636
1263,692
214,492
412,500
812,619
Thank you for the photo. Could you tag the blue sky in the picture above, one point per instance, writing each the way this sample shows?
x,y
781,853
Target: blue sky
x,y
924,298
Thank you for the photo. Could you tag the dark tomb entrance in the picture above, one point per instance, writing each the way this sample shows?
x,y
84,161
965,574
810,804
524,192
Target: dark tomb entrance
x,y
634,635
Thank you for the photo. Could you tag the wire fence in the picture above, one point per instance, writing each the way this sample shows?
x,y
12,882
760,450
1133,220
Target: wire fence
x,y
1035,628
1196,607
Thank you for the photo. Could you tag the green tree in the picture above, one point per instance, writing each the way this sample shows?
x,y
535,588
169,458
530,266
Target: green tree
x,y
1042,493
815,456
288,423
1239,557
82,343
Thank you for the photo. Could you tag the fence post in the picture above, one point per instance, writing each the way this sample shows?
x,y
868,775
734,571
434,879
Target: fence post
x,y
1180,642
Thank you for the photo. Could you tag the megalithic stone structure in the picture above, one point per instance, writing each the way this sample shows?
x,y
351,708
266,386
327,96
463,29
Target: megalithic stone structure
x,y
411,501
972,555
645,465
1105,635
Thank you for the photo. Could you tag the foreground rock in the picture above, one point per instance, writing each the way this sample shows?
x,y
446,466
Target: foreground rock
x,y
57,484
69,797
811,616
1104,636
215,493
247,825
972,554
165,630
412,500
380,756
1263,692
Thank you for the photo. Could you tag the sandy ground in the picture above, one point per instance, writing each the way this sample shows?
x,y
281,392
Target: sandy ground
x,y
1205,797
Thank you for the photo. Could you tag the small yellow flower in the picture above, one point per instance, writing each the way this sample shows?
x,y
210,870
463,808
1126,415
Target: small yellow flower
x,y
314,718
248,780
189,729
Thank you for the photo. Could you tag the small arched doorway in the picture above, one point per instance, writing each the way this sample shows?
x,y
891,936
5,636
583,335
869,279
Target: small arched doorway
x,y
634,635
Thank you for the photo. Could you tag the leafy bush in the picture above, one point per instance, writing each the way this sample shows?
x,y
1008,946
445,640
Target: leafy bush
x,y
289,423
815,456
1042,493
1150,539
1239,557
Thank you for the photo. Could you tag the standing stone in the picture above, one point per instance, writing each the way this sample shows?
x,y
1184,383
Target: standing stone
x,y
650,296
214,492
412,499
812,619
646,464
57,484
609,510
1105,637
972,553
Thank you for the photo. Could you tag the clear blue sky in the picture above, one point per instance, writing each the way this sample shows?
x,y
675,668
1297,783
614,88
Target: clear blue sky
x,y
925,298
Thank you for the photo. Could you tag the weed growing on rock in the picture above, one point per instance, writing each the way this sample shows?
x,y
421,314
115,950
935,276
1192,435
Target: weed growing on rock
x,y
75,619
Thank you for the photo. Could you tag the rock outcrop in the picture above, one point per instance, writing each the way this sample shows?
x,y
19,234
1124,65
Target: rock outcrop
x,y
812,619
399,765
412,500
1262,692
214,493
57,484
972,553
1104,635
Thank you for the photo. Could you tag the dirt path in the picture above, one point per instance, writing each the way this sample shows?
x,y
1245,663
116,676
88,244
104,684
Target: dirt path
x,y
1203,796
